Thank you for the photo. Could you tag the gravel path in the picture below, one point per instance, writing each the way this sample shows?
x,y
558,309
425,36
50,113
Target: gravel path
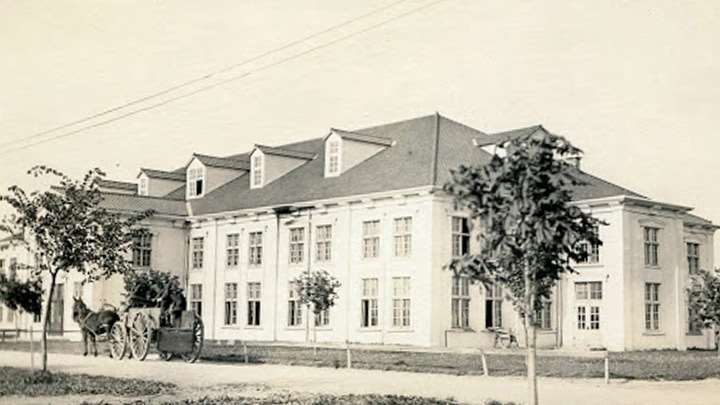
x,y
472,389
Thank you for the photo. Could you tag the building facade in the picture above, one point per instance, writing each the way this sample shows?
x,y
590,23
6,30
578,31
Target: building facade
x,y
368,207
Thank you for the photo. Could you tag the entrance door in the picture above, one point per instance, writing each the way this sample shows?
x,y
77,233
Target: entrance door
x,y
588,314
57,310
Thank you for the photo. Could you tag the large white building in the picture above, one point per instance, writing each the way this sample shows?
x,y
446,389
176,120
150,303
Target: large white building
x,y
367,205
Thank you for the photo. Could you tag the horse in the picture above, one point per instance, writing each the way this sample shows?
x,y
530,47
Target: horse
x,y
92,323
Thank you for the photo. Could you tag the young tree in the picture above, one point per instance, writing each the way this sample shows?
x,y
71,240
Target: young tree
x,y
67,229
530,232
317,290
704,300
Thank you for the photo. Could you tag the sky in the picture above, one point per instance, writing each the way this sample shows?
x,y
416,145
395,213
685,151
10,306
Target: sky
x,y
635,84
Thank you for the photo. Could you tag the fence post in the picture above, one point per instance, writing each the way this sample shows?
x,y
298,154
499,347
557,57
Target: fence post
x,y
32,351
245,353
484,364
3,335
607,368
347,354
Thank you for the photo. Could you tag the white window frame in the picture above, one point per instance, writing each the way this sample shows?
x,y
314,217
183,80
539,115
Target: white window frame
x,y
231,299
254,307
323,243
494,297
333,155
255,248
295,311
197,252
371,239
592,249
544,316
322,318
460,236
232,250
196,298
369,315
588,303
693,257
296,249
651,243
652,307
142,250
143,186
402,236
257,170
460,303
401,303
194,175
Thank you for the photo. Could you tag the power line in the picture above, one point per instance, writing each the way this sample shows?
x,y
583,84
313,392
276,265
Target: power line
x,y
228,80
203,77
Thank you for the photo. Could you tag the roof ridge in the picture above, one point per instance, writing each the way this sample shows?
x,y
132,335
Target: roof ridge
x,y
142,196
286,151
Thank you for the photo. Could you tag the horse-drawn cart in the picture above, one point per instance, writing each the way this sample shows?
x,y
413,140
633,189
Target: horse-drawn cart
x,y
138,328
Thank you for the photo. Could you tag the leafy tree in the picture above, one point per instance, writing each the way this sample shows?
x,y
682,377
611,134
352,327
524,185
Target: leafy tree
x,y
317,290
145,288
67,229
21,295
704,300
530,232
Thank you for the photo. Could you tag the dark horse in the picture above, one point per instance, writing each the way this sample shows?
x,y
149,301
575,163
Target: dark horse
x,y
92,323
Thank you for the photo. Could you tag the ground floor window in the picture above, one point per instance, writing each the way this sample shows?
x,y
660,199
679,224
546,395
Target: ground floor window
x,y
401,302
254,294
196,298
543,316
322,318
460,304
369,303
652,306
493,306
294,306
231,304
588,299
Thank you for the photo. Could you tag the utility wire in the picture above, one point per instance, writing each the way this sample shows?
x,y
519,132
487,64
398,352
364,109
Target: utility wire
x,y
204,77
228,80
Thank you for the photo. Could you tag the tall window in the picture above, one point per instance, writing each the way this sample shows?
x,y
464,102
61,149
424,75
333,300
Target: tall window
x,y
255,254
460,236
231,303
371,239
693,257
196,178
402,235
257,170
143,186
322,318
253,300
460,302
196,298
592,250
232,249
651,246
294,306
142,249
401,302
297,245
333,156
197,252
588,296
493,306
323,243
12,268
652,306
543,316
369,303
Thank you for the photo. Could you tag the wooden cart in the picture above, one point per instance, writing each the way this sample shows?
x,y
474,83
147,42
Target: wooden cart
x,y
138,328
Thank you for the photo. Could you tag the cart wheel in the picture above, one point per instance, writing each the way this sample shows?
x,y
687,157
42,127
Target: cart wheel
x,y
117,339
141,329
167,356
198,337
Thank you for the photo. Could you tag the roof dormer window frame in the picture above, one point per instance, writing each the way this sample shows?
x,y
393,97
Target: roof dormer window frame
x,y
333,156
143,186
257,169
196,183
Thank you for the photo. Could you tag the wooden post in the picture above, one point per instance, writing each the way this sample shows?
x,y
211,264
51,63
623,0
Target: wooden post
x,y
3,335
484,364
347,354
607,368
32,351
245,353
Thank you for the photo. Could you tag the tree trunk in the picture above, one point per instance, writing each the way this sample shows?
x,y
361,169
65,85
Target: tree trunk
x,y
315,335
307,323
530,341
46,322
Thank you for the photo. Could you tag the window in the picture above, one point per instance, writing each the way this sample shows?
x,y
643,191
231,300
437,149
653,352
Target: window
x,y
333,157
493,306
253,298
460,236
460,302
143,186
36,318
10,315
231,304
297,245
652,306
693,257
77,289
651,246
543,317
142,249
401,302
12,268
322,318
232,249
196,298
587,297
369,303
402,230
255,254
695,325
323,244
294,306
197,252
371,239
257,171
196,178
591,249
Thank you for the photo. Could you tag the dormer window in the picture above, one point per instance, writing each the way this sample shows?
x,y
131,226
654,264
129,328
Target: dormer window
x,y
256,178
143,186
196,182
333,157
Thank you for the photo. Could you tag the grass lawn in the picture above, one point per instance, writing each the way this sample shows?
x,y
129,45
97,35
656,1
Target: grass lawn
x,y
644,365
20,381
